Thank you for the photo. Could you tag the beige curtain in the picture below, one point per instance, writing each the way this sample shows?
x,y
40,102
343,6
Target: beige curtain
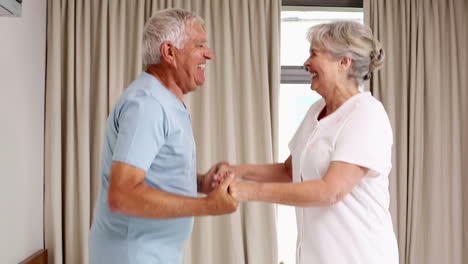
x,y
423,86
93,53
234,120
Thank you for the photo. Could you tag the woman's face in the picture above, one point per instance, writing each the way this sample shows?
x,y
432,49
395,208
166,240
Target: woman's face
x,y
325,70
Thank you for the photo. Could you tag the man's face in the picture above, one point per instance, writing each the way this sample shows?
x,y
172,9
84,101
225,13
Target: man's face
x,y
191,60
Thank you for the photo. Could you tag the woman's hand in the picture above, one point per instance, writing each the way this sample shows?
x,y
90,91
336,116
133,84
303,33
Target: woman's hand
x,y
224,170
205,181
240,191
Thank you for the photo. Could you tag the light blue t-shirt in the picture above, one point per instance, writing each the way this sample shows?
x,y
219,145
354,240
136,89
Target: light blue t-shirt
x,y
149,128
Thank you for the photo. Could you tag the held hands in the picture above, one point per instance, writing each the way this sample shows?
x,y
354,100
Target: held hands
x,y
206,183
227,168
236,189
219,200
223,170
220,184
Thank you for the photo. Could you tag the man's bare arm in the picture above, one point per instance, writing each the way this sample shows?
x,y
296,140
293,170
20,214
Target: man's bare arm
x,y
128,194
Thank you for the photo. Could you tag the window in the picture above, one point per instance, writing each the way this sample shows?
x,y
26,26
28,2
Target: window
x,y
295,95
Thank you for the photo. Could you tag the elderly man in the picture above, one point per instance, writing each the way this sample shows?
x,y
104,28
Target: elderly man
x,y
148,196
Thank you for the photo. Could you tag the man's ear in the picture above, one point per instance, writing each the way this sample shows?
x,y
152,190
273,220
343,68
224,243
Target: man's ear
x,y
168,52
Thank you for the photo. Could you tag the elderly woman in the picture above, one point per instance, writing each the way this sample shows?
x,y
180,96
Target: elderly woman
x,y
337,173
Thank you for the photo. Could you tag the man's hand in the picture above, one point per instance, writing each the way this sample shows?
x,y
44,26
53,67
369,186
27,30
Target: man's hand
x,y
219,200
205,182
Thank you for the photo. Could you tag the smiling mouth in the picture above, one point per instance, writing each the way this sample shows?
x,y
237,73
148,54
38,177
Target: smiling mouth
x,y
314,74
201,66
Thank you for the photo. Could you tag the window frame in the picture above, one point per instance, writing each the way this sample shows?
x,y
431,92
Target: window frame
x,y
324,3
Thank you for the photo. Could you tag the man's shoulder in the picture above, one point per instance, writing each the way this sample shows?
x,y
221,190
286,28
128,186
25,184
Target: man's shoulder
x,y
141,90
139,99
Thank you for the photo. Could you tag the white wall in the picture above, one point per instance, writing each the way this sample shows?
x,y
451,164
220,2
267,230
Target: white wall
x,y
22,81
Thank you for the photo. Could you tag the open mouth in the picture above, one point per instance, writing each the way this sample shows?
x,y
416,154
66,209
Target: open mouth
x,y
200,79
314,75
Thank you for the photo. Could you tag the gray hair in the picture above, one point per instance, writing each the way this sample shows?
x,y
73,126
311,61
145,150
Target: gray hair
x,y
166,25
352,40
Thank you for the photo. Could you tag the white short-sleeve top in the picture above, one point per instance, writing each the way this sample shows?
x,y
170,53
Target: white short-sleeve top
x,y
358,229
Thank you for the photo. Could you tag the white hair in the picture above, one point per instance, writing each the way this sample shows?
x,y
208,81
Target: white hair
x,y
166,25
352,40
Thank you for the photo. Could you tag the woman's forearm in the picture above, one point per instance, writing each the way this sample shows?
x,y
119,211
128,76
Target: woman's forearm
x,y
304,194
263,173
278,172
339,180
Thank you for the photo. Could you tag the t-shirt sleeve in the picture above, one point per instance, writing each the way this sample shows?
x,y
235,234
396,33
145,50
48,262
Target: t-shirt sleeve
x,y
141,127
366,139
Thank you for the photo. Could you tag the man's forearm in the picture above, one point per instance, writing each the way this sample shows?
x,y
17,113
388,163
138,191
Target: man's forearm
x,y
146,201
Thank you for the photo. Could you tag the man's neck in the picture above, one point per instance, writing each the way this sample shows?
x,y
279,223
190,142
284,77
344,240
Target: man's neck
x,y
166,77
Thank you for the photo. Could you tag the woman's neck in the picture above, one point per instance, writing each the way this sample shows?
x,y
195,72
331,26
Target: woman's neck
x,y
336,97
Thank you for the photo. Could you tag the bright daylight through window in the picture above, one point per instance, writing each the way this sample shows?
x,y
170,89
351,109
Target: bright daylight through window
x,y
295,97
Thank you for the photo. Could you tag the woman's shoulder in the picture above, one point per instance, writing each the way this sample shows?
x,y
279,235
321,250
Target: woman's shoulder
x,y
368,105
369,112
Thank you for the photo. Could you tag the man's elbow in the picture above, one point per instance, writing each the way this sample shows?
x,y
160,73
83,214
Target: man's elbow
x,y
116,201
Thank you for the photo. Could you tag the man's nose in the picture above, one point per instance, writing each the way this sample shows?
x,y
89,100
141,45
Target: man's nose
x,y
209,54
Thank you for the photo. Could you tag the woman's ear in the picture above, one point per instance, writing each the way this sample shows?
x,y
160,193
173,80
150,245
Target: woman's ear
x,y
168,53
345,63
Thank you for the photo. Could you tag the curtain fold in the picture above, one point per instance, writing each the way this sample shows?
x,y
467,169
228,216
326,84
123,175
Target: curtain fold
x,y
94,52
423,87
